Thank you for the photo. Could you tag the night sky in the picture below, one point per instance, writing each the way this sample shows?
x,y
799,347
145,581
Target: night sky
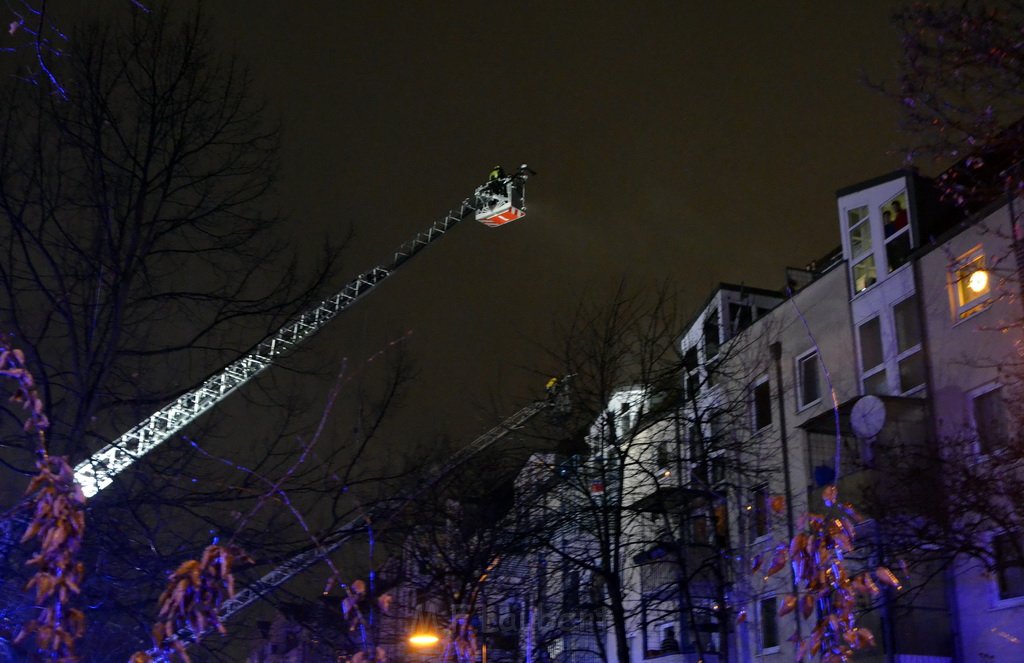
x,y
672,140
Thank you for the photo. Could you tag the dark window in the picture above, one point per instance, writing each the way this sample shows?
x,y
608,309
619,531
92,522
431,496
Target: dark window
x,y
897,250
908,330
1009,565
693,384
711,335
716,424
711,369
741,317
690,359
870,344
911,372
761,405
807,379
664,458
769,623
990,423
571,590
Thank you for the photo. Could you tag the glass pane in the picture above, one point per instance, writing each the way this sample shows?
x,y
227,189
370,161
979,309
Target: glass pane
x,y
856,215
741,316
908,331
911,372
762,406
894,215
990,420
864,274
769,623
809,379
870,344
860,239
897,250
972,281
876,384
1009,566
711,335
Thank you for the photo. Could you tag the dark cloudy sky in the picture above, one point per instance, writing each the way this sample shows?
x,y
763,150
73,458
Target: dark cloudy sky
x,y
696,141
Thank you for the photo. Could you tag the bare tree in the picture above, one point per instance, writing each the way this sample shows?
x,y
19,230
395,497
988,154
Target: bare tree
x,y
960,86
139,254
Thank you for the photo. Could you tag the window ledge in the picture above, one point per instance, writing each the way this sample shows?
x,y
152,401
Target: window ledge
x,y
1007,604
977,310
808,406
771,650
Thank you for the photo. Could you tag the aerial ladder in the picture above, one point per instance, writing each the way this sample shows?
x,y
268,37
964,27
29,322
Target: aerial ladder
x,y
496,203
557,397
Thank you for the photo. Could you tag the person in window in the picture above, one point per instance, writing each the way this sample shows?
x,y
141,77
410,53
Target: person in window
x,y
668,640
899,216
887,223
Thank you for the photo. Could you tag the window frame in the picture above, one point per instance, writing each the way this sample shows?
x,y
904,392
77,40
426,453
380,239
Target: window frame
x,y
912,350
757,384
973,395
1000,566
868,373
798,362
765,617
958,274
900,233
863,260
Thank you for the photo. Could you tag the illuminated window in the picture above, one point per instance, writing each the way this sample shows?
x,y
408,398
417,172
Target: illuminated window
x,y
761,405
860,231
1008,551
971,283
896,226
808,389
863,269
865,274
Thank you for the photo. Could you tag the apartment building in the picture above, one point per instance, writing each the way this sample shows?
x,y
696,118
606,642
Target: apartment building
x,y
900,351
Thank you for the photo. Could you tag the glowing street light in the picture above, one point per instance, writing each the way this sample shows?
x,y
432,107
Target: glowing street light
x,y
424,631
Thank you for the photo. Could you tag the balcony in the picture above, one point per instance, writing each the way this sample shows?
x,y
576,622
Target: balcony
x,y
865,476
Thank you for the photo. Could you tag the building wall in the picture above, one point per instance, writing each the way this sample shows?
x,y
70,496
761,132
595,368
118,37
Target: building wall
x,y
935,356
974,349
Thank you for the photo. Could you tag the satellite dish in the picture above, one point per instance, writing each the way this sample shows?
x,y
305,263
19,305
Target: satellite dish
x,y
867,416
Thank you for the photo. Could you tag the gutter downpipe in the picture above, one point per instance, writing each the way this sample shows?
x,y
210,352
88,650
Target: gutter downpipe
x,y
776,350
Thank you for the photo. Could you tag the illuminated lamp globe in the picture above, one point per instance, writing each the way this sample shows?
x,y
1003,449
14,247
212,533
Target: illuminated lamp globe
x,y
978,281
424,631
423,639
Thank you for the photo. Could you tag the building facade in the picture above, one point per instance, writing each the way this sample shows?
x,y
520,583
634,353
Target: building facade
x,y
889,368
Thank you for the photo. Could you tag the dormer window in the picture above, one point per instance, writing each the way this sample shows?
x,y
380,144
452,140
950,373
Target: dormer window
x,y
865,273
896,225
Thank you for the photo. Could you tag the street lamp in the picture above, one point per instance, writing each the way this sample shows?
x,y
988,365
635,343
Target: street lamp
x,y
424,631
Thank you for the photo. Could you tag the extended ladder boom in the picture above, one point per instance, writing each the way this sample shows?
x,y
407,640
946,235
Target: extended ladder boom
x,y
99,471
339,536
